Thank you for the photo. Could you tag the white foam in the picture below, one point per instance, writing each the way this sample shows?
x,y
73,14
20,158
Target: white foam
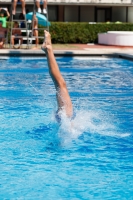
x,y
91,122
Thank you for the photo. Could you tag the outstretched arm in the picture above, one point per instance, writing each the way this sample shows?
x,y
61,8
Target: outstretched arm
x,y
63,98
8,14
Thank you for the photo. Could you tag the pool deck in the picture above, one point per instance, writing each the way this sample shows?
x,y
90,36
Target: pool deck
x,y
75,50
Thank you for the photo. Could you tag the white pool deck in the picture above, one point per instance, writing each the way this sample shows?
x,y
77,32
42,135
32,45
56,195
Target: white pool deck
x,y
126,53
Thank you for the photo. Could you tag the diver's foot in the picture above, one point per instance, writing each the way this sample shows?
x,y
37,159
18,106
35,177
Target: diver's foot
x,y
1,45
36,47
39,10
13,11
47,41
44,11
16,47
23,11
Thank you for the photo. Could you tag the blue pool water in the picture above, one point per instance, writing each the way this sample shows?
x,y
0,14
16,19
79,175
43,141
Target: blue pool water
x,y
93,159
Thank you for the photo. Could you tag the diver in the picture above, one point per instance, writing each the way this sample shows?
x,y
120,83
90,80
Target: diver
x,y
63,98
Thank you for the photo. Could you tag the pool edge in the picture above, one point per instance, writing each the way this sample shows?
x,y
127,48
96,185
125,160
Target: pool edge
x,y
40,53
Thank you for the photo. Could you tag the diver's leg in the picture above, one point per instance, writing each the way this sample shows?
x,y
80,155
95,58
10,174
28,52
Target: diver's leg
x,y
36,35
14,7
38,6
45,6
23,6
12,40
63,98
21,42
1,44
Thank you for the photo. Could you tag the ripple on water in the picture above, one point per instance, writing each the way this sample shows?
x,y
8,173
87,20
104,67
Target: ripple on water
x,y
88,158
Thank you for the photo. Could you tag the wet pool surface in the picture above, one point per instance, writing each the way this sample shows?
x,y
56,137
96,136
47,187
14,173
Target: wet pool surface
x,y
93,158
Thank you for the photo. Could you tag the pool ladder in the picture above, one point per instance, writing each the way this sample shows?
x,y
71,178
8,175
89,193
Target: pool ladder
x,y
29,26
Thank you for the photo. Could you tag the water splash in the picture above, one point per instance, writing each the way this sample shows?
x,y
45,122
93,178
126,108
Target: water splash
x,y
92,122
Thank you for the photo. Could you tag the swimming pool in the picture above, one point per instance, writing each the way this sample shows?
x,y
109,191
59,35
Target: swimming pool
x,y
40,159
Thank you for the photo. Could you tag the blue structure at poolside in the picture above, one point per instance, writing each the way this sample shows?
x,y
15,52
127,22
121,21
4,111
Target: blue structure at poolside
x,y
42,20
